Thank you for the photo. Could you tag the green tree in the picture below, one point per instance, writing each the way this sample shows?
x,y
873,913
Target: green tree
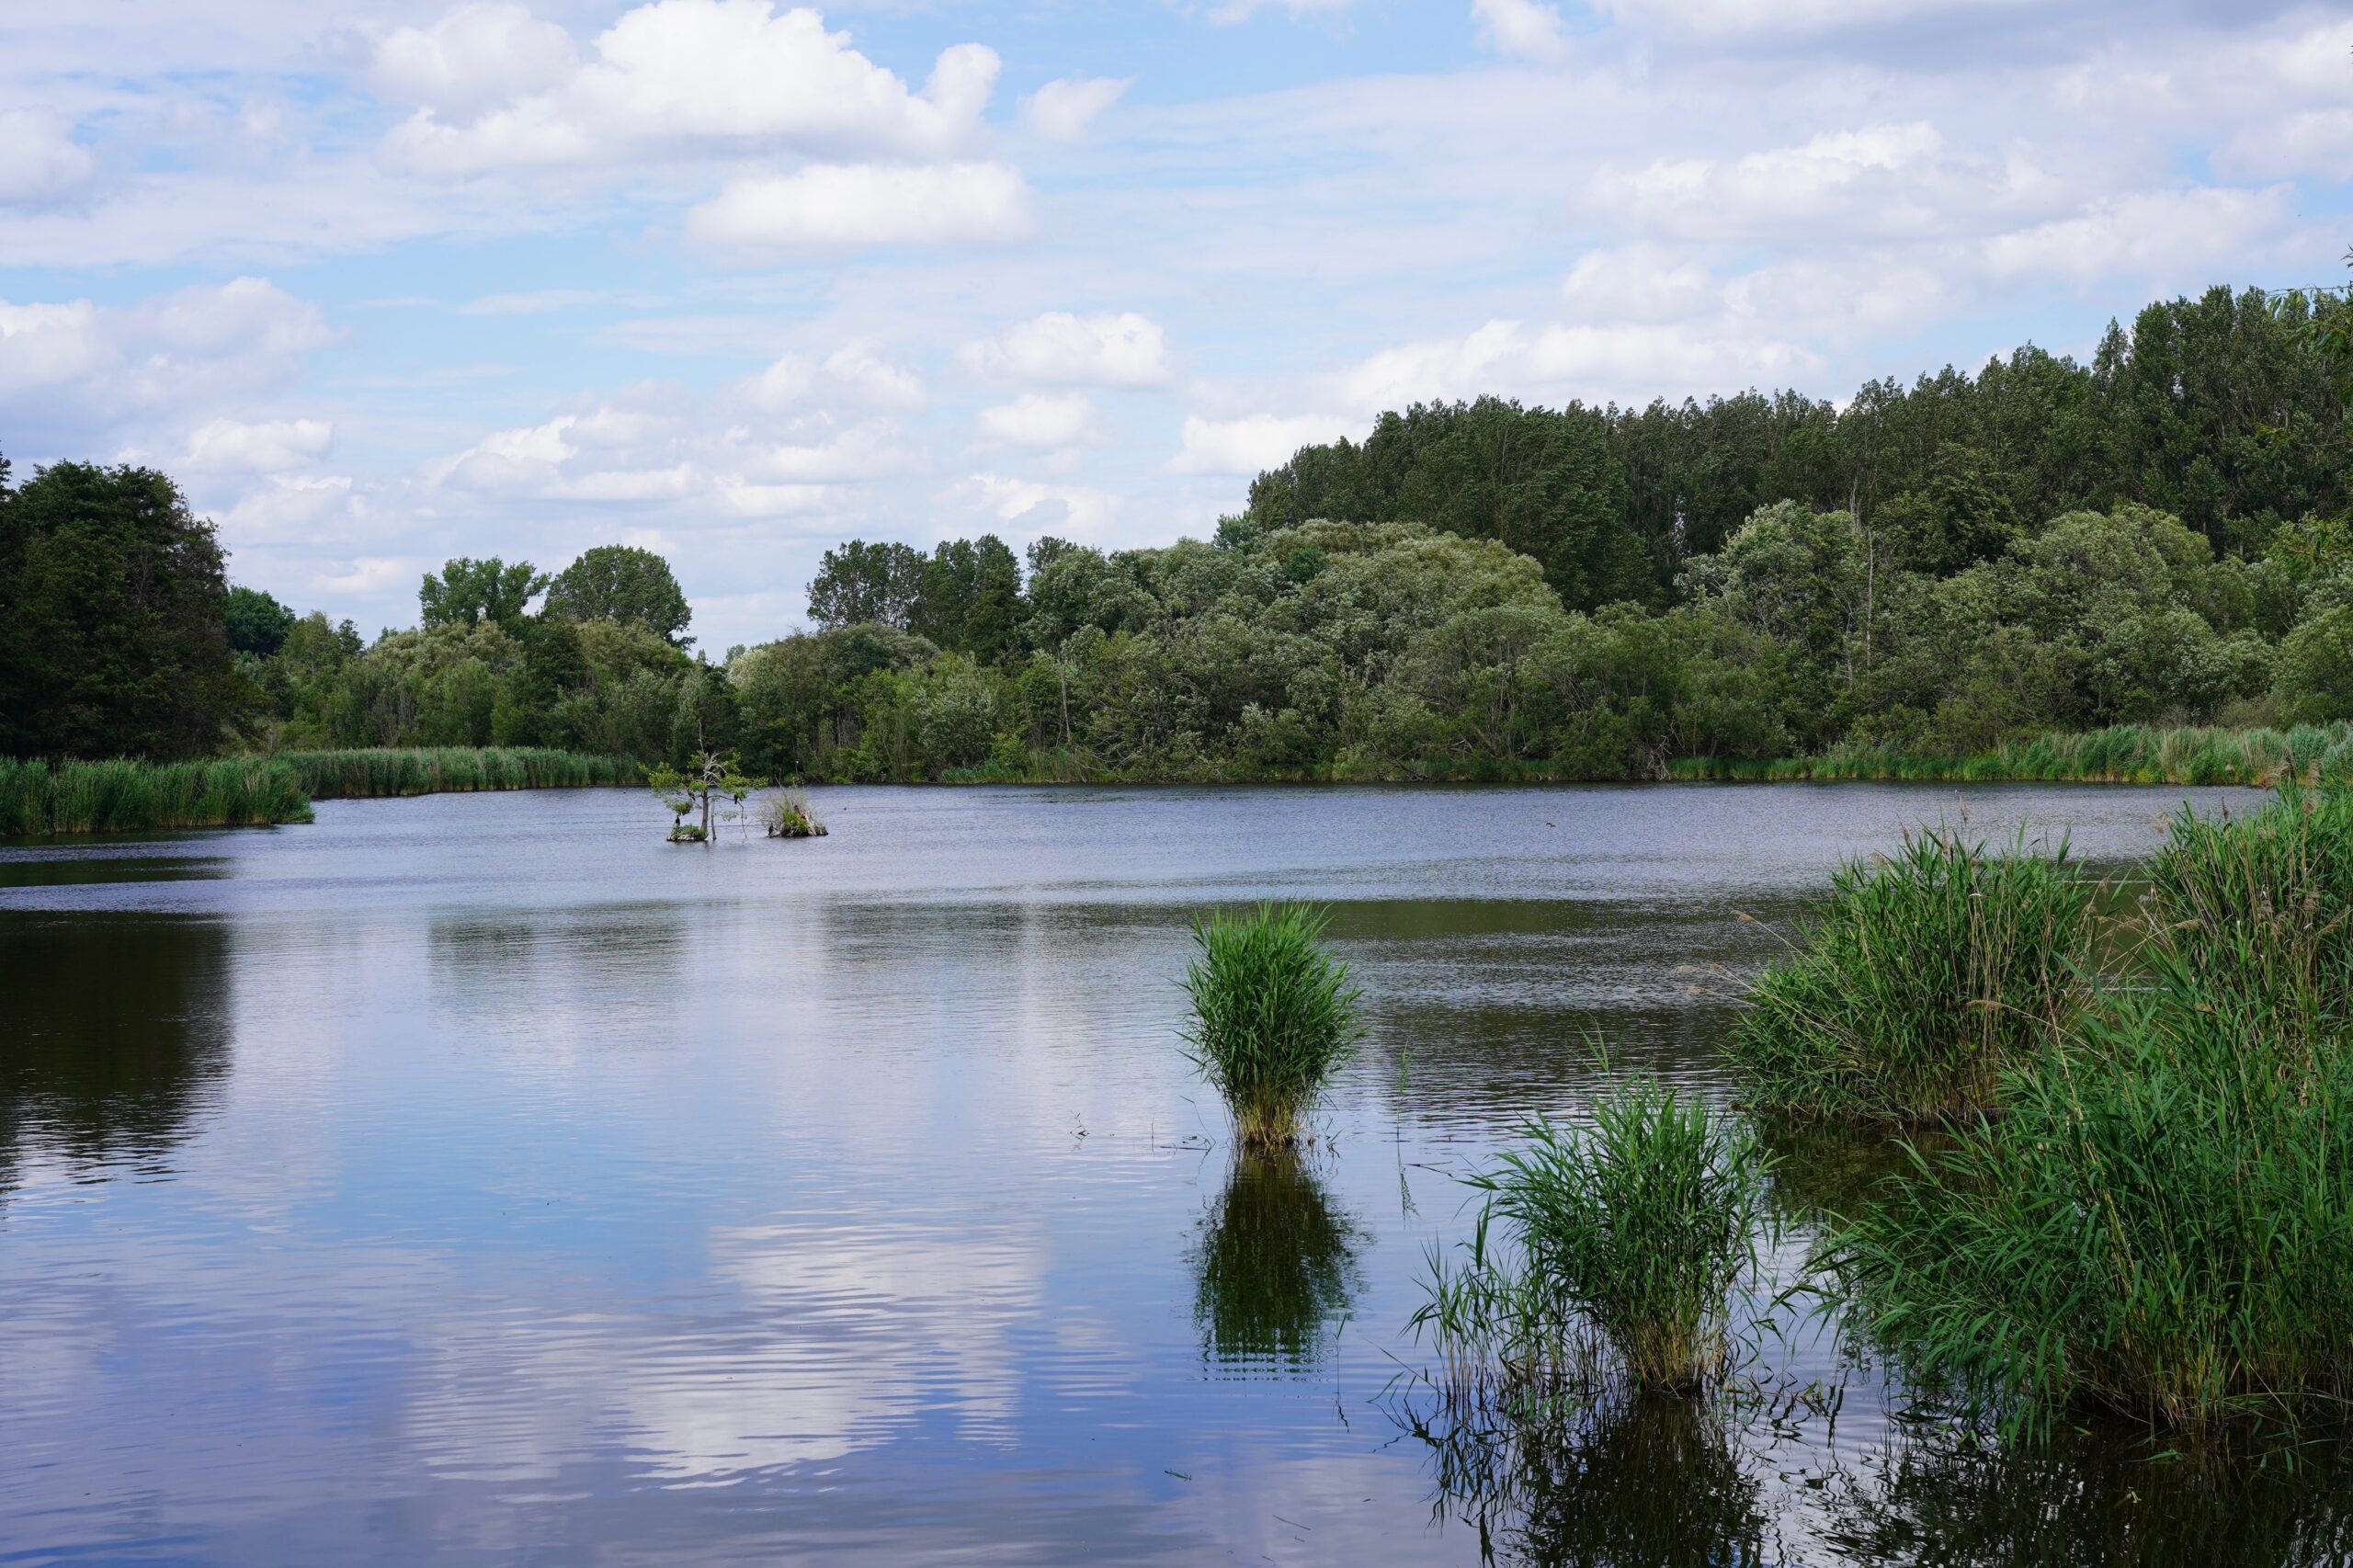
x,y
112,617
257,624
862,583
619,582
467,592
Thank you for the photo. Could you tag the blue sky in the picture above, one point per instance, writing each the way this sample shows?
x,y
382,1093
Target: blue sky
x,y
384,283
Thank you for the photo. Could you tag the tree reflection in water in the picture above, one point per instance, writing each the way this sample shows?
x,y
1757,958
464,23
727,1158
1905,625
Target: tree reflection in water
x,y
113,1031
1277,1266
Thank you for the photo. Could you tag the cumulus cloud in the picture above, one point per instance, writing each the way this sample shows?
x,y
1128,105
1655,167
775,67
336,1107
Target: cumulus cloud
x,y
1868,173
1123,350
668,76
475,57
87,369
1248,445
840,207
1038,506
2168,237
1066,110
1037,419
267,447
1623,362
1523,30
856,372
39,160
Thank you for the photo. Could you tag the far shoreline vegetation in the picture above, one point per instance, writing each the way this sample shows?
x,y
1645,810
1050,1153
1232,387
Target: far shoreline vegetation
x,y
2135,570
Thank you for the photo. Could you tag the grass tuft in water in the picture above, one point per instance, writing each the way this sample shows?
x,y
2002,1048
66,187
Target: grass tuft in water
x,y
1626,1240
129,796
1273,1015
2160,1223
1918,982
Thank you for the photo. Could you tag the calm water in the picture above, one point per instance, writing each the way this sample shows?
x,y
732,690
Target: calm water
x,y
483,1179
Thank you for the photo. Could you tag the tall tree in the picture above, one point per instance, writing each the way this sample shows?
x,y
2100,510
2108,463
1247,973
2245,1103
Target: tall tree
x,y
112,611
257,623
467,592
862,584
619,582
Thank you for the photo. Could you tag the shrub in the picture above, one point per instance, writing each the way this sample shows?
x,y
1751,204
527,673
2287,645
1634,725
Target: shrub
x,y
1273,1015
1918,981
1630,1236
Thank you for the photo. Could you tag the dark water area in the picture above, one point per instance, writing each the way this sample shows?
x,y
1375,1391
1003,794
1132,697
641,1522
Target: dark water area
x,y
483,1179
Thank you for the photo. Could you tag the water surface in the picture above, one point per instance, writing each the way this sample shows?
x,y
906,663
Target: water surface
x,y
480,1178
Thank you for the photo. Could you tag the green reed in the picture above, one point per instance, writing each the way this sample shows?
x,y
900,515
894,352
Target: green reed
x,y
1273,1015
2160,1223
2122,753
1626,1238
129,796
371,773
1918,982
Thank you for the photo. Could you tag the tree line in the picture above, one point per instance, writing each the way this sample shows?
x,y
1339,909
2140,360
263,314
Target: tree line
x,y
1477,589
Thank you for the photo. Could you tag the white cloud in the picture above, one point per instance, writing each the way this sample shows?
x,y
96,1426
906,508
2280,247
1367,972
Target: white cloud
x,y
1622,362
39,157
869,451
539,302
2169,238
1123,350
474,57
1638,282
1069,508
839,207
268,447
1732,19
307,508
1870,173
854,372
89,368
1250,445
1066,110
1524,29
678,74
1037,419
1228,12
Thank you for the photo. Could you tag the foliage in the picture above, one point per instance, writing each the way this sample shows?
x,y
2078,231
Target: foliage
x,y
1631,1235
708,779
113,637
1273,1015
467,592
125,796
256,623
787,813
2160,1223
1917,983
621,582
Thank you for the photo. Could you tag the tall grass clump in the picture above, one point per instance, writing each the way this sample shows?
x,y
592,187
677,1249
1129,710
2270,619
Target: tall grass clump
x,y
1626,1239
2262,905
129,796
378,772
1920,979
1273,1015
2160,1223
2121,754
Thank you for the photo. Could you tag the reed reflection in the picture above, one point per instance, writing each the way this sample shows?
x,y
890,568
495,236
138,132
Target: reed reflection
x,y
2086,1497
114,1032
1276,1265
1629,1479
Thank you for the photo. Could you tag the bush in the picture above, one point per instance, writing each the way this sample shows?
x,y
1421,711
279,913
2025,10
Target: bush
x,y
1919,981
1273,1015
1630,1236
2161,1223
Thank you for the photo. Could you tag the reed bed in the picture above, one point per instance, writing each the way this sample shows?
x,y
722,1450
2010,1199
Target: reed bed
x,y
1917,983
2160,1224
374,773
1623,1242
129,795
2122,753
1273,1016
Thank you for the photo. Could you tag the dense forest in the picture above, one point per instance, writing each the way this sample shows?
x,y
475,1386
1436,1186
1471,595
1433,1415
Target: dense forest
x,y
1475,590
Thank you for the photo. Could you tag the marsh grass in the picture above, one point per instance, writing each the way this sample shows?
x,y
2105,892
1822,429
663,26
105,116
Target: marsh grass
x,y
2261,905
2160,1223
128,796
2122,753
1620,1244
786,813
1916,983
373,773
1273,1015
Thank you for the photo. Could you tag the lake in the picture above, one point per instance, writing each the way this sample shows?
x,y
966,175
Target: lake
x,y
481,1178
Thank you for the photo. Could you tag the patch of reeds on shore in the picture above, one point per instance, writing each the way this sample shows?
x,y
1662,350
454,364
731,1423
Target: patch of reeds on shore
x,y
2121,754
128,796
373,773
